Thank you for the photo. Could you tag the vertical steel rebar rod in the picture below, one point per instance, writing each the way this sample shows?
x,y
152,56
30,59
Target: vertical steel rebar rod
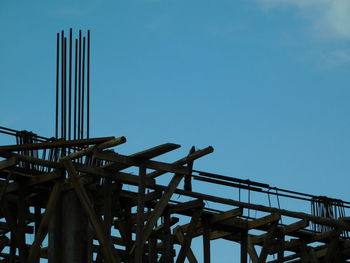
x,y
57,80
70,85
88,86
65,91
75,88
62,80
83,90
79,86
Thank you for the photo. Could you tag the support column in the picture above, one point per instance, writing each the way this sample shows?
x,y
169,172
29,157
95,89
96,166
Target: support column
x,y
69,239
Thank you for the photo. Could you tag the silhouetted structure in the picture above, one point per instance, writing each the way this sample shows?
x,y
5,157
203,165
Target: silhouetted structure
x,y
72,199
81,197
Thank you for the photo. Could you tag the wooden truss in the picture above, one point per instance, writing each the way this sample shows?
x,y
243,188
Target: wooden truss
x,y
77,201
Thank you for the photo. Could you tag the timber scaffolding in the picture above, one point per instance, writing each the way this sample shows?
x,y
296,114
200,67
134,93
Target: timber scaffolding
x,y
77,201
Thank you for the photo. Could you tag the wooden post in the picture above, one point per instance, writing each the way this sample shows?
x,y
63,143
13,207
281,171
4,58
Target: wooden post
x,y
140,215
244,246
167,240
206,240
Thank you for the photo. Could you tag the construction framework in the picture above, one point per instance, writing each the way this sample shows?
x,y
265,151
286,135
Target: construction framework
x,y
79,201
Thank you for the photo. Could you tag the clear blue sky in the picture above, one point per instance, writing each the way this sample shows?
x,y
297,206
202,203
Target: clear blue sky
x,y
265,82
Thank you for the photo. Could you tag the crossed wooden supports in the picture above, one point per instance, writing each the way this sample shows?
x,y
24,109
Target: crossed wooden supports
x,y
139,229
117,162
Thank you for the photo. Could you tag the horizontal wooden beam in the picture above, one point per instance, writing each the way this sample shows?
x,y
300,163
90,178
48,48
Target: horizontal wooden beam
x,y
185,160
12,161
54,144
133,161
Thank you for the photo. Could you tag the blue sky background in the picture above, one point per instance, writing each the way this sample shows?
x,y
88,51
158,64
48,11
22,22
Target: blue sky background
x,y
265,82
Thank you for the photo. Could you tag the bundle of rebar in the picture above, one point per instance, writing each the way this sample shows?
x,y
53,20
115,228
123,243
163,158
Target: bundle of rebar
x,y
73,86
323,206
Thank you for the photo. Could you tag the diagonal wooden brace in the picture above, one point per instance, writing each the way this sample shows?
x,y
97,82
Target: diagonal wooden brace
x,y
43,228
84,199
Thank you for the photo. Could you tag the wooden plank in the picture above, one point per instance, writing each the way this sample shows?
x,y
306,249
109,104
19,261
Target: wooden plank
x,y
267,242
146,154
167,238
159,209
12,161
107,144
185,160
152,195
295,226
206,239
21,223
82,195
332,251
180,236
34,251
251,250
54,144
244,246
264,221
319,220
133,161
226,215
283,230
140,214
185,246
14,187
116,175
186,206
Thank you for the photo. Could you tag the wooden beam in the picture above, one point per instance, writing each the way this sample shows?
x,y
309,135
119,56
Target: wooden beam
x,y
43,178
116,175
34,251
181,237
128,161
54,144
159,209
140,214
225,215
146,154
206,239
185,160
186,206
332,251
267,242
107,144
264,221
251,250
84,199
185,246
244,246
12,161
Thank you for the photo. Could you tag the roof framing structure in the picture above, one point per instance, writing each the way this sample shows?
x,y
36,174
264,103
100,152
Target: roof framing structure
x,y
77,201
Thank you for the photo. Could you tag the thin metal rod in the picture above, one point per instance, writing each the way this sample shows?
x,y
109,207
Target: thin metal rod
x,y
65,91
57,80
83,90
79,86
75,88
70,85
88,87
62,82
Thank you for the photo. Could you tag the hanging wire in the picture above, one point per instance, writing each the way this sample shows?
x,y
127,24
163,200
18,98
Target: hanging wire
x,y
268,196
